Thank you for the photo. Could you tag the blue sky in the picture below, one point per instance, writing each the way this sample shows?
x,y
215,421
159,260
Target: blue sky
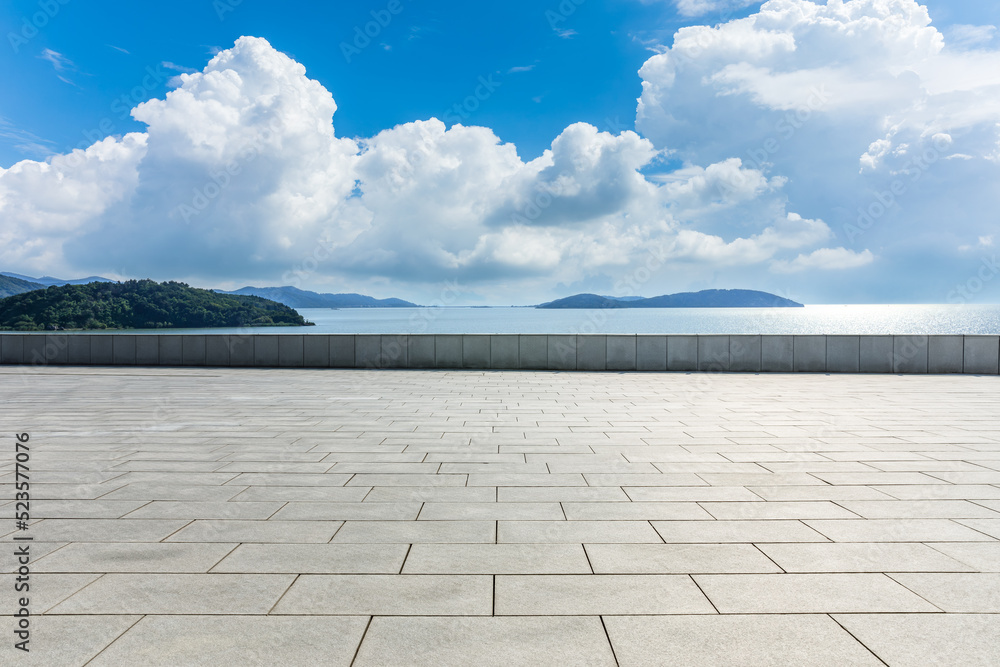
x,y
790,220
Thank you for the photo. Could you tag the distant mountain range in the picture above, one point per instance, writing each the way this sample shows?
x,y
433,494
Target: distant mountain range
x,y
9,286
297,298
712,298
47,281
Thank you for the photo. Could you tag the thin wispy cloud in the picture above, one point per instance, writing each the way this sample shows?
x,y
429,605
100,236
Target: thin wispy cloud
x,y
60,63
118,48
27,142
522,68
166,64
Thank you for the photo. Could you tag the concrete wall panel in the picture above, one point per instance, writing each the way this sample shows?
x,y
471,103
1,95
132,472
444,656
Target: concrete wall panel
x,y
102,350
809,354
982,354
533,352
713,353
591,353
909,354
11,348
123,350
147,350
447,351
650,353
342,350
945,354
620,353
217,352
367,351
843,354
394,351
476,351
744,354
242,350
171,350
421,352
291,351
682,353
79,349
316,351
265,351
875,354
777,354
193,351
561,353
504,352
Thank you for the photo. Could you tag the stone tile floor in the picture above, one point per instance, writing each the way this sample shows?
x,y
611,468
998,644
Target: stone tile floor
x,y
241,517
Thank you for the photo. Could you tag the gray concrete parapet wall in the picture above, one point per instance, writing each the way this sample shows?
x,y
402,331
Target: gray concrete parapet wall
x,y
979,355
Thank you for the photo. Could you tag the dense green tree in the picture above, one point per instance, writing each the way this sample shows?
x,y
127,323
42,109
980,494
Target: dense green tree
x,y
138,304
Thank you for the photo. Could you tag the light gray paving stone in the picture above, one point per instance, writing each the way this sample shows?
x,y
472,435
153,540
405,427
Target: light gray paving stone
x,y
897,530
226,530
491,511
727,532
618,511
200,492
863,557
526,479
735,641
644,479
468,467
83,509
497,559
591,532
156,557
431,494
916,640
807,493
430,640
389,595
364,479
677,558
169,509
819,509
105,530
66,641
434,532
332,494
690,493
46,591
980,556
357,511
977,593
762,479
919,509
288,479
219,594
879,478
808,594
181,641
315,558
598,594
528,494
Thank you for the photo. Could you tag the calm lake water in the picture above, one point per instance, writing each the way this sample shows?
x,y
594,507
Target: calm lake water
x,y
826,319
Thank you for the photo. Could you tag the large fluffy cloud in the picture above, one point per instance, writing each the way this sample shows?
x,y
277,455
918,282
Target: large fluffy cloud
x,y
240,176
877,123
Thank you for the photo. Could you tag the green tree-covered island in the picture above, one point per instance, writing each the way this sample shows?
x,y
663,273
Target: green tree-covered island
x,y
138,304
